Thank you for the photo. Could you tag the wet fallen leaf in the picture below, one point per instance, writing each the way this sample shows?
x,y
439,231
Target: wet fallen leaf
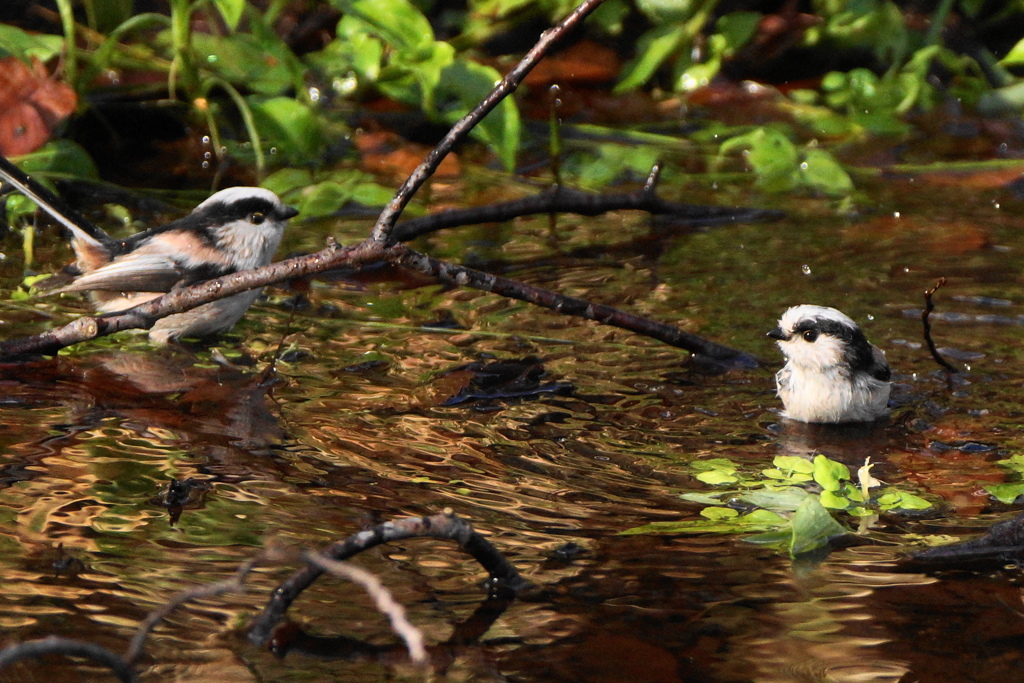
x,y
384,152
32,105
585,63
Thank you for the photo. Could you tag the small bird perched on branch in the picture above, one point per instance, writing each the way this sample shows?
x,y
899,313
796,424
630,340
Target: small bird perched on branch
x,y
236,229
832,373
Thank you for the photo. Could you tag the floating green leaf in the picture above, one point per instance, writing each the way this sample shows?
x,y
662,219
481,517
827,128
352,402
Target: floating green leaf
x,y
813,526
719,523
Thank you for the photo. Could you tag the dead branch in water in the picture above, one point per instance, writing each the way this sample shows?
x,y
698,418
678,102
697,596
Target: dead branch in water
x,y
503,576
561,199
929,306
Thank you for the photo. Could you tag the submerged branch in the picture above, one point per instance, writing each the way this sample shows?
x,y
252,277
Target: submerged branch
x,y
446,525
186,298
382,598
235,583
929,306
561,199
67,647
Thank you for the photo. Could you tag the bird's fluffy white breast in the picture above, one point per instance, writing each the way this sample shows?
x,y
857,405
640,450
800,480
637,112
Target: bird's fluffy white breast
x,y
249,245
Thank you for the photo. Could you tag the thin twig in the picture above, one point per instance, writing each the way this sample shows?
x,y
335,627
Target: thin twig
x,y
386,222
235,583
929,306
382,597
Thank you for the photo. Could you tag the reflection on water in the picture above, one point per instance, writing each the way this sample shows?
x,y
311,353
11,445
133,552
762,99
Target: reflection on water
x,y
353,431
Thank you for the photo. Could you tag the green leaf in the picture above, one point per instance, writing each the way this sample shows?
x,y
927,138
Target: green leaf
x,y
59,157
820,171
781,537
413,78
784,500
397,22
737,28
258,62
830,474
667,11
1006,493
289,126
756,521
324,198
773,159
715,471
463,84
834,501
813,526
1015,463
230,11
702,498
718,514
793,463
287,180
894,499
1015,57
26,46
717,477
723,464
654,48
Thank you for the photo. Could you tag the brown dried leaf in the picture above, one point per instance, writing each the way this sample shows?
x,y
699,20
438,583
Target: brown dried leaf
x,y
32,105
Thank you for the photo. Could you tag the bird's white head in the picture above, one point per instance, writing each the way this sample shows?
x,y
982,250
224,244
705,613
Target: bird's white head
x,y
821,338
246,222
832,373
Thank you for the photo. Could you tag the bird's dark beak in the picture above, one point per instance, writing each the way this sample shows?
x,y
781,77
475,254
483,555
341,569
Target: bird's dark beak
x,y
779,334
287,212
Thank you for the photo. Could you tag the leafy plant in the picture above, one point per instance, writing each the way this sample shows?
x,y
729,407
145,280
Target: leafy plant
x,y
1009,492
787,511
390,45
780,166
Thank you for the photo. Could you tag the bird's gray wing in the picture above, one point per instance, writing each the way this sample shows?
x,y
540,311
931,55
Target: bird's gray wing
x,y
133,272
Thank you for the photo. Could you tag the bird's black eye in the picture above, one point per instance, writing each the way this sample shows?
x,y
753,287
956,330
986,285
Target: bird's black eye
x,y
256,218
810,335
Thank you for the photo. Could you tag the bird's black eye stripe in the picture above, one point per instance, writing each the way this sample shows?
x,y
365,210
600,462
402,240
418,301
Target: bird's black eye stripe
x,y
253,209
857,349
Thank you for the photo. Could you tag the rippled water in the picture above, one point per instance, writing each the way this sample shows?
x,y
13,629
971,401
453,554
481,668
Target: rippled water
x,y
92,438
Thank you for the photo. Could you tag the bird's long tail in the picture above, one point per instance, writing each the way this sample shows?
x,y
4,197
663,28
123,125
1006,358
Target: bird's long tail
x,y
80,227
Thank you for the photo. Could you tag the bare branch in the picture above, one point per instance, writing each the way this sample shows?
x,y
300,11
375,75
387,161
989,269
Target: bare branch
x,y
386,222
929,306
235,583
446,525
560,199
382,597
567,305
